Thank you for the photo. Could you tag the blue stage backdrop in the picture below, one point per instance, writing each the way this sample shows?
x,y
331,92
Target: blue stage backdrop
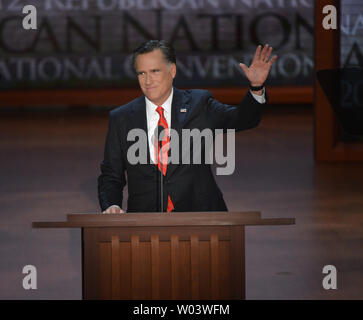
x,y
351,33
87,43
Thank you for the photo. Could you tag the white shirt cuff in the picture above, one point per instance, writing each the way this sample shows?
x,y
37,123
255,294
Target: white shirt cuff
x,y
260,99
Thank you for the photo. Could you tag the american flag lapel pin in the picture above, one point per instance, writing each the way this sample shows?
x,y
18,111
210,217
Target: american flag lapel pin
x,y
183,110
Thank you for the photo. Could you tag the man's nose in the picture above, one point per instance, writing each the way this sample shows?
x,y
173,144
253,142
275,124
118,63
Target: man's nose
x,y
147,79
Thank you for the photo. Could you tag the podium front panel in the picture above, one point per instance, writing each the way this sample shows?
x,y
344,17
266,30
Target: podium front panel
x,y
190,262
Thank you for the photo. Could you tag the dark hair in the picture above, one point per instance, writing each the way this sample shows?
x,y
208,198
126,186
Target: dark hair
x,y
151,45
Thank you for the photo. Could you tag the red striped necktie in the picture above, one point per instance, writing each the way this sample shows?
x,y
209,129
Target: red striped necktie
x,y
165,146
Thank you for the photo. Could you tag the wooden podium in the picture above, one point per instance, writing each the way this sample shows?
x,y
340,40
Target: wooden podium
x,y
177,255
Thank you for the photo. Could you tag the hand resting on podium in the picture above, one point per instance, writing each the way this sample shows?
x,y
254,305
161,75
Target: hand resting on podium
x,y
113,209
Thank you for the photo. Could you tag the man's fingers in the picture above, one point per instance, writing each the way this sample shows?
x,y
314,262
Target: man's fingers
x,y
268,54
264,53
257,53
244,67
113,209
273,59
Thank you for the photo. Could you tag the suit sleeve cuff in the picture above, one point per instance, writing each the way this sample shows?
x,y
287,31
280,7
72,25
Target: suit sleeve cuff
x,y
259,99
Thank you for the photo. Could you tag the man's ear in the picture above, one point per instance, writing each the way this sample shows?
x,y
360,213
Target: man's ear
x,y
173,70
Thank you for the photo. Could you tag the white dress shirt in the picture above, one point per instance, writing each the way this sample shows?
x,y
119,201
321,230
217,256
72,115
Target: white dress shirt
x,y
152,117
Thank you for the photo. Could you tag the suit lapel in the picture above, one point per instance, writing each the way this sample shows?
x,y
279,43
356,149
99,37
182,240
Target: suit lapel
x,y
178,117
139,120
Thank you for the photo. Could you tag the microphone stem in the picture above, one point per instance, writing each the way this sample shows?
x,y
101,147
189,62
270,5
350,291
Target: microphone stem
x,y
161,181
161,192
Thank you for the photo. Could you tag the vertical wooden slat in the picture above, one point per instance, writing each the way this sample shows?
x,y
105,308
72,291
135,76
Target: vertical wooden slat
x,y
194,266
243,262
125,277
135,267
90,265
144,271
224,255
174,249
184,277
214,266
115,267
165,270
155,267
204,266
238,281
105,269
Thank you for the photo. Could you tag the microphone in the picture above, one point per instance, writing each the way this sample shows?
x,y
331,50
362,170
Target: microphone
x,y
161,134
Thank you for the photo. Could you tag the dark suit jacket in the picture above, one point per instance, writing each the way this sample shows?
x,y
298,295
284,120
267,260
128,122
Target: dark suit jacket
x,y
192,187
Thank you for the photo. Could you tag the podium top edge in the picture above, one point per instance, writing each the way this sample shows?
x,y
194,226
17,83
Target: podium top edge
x,y
192,217
164,220
164,214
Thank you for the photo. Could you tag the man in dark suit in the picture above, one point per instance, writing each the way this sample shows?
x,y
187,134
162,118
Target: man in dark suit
x,y
186,187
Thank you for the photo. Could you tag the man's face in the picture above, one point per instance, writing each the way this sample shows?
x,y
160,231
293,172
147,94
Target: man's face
x,y
155,76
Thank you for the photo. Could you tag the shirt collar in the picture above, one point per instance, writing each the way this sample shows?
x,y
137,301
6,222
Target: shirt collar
x,y
151,107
